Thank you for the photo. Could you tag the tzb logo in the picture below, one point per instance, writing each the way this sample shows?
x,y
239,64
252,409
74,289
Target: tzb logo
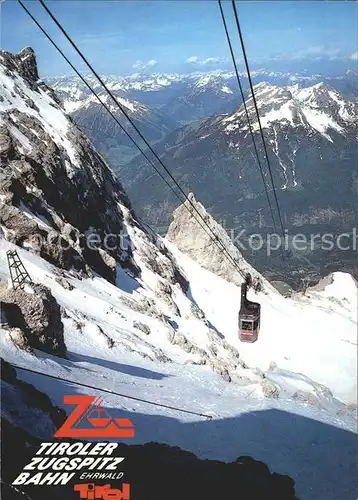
x,y
98,422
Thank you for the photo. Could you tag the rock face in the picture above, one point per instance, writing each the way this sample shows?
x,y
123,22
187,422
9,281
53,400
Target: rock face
x,y
188,235
57,195
27,65
270,389
37,314
142,327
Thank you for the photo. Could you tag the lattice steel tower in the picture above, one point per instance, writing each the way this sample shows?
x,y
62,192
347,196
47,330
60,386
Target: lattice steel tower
x,y
19,275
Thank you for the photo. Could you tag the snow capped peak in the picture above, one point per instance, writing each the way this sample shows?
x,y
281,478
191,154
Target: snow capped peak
x,y
155,82
129,105
319,85
319,108
263,85
24,62
27,53
212,81
203,81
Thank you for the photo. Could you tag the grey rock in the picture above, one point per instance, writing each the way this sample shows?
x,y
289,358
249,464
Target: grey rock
x,y
307,397
190,237
196,311
19,339
220,368
64,283
270,389
181,341
142,327
6,145
164,292
213,349
111,343
37,314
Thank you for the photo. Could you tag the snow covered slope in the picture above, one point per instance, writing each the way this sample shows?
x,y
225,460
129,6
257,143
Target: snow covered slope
x,y
149,322
107,349
290,116
303,335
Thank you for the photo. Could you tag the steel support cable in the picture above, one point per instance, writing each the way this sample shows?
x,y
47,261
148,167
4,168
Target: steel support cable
x,y
246,110
113,116
134,398
215,238
237,22
90,88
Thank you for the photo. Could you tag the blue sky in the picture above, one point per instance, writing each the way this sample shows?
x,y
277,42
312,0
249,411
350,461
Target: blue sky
x,y
125,37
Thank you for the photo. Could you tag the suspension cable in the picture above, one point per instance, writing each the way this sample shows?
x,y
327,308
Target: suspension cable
x,y
90,88
237,22
134,398
215,238
246,110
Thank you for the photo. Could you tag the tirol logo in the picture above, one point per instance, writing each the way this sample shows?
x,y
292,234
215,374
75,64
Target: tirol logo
x,y
92,492
99,423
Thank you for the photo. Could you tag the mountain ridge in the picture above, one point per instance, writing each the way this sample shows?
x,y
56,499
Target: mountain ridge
x,y
145,319
295,129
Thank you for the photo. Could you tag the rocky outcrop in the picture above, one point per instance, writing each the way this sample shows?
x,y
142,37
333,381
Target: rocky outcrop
x,y
164,292
24,63
142,327
163,263
144,305
181,341
270,389
58,197
187,233
19,339
35,311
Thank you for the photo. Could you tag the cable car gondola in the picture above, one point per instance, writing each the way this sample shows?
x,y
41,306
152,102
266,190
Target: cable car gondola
x,y
249,315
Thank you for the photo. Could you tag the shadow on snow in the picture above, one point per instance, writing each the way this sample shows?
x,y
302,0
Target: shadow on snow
x,y
319,457
134,371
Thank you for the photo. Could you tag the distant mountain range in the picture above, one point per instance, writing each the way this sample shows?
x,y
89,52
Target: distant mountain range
x,y
160,103
175,92
311,134
199,129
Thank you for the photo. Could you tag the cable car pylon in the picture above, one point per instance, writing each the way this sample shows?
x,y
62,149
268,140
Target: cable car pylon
x,y
19,275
